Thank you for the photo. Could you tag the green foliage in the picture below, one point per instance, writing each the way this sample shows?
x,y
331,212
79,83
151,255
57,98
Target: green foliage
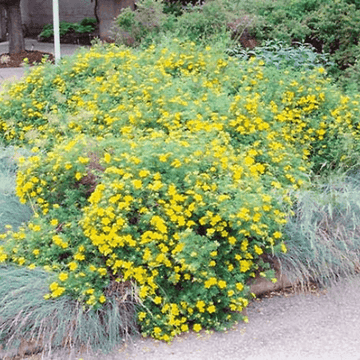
x,y
174,8
204,22
330,26
142,25
298,57
153,20
87,25
168,172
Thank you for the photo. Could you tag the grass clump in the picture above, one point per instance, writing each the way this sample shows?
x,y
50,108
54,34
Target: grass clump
x,y
323,234
167,171
12,212
26,317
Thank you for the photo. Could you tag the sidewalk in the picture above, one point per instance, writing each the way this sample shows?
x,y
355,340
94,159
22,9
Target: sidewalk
x,y
13,74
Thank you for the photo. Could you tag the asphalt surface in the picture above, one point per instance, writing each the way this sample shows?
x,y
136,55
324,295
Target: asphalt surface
x,y
317,326
322,325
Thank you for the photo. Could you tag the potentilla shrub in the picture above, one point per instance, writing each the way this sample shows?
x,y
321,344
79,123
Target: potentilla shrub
x,y
164,172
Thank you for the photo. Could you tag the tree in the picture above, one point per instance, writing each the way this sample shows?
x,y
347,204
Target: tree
x,y
16,36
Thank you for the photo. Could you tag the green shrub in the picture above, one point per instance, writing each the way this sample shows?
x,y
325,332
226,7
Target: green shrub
x,y
330,26
87,25
174,8
142,25
150,22
166,170
298,57
204,22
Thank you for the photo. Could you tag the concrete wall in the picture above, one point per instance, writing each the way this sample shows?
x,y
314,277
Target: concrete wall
x,y
37,13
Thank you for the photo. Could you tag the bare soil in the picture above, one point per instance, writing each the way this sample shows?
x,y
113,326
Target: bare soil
x,y
17,60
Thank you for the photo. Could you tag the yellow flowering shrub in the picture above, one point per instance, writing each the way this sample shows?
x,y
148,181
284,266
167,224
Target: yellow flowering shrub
x,y
167,168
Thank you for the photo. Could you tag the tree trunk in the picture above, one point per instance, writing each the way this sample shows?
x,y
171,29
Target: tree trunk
x,y
3,26
14,23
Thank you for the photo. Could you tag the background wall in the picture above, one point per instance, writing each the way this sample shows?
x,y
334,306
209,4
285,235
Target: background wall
x,y
107,11
36,13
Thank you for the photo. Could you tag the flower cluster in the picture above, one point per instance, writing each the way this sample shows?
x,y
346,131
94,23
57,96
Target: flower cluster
x,y
168,169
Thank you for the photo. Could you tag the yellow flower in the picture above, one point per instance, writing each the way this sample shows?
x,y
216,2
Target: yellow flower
x,y
176,163
157,300
144,173
63,276
141,315
211,309
79,257
3,257
210,282
54,222
83,160
283,248
222,284
54,286
197,327
258,250
239,286
72,265
102,299
245,265
200,305
137,184
102,271
107,158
